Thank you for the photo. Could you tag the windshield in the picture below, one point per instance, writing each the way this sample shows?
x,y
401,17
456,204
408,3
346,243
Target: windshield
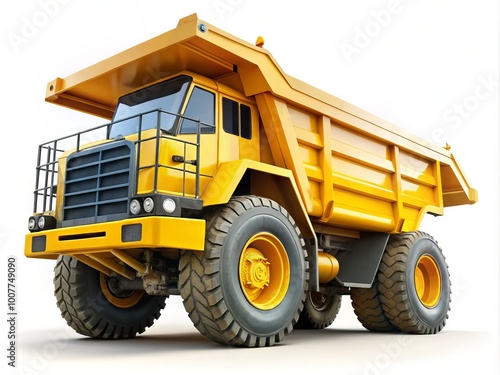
x,y
167,96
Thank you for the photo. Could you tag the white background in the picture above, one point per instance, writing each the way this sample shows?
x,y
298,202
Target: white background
x,y
431,67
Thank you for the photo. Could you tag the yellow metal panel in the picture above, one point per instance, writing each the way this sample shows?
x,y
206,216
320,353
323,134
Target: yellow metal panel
x,y
361,156
411,218
282,189
361,212
307,138
308,155
362,188
418,169
278,125
362,142
222,186
352,171
229,174
157,232
416,214
314,174
303,119
399,217
415,193
325,163
267,181
456,188
439,189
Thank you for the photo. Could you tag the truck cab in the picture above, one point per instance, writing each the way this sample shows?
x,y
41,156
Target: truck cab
x,y
172,130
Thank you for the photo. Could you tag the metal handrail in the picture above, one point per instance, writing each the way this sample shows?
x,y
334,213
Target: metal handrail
x,y
50,152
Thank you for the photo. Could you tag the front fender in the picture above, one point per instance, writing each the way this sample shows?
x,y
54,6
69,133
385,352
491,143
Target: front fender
x,y
270,182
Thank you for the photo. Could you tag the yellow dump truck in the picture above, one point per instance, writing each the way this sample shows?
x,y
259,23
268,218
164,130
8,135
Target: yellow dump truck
x,y
259,199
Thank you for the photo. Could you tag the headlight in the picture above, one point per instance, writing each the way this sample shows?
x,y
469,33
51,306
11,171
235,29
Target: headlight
x,y
135,207
149,205
31,223
41,222
169,205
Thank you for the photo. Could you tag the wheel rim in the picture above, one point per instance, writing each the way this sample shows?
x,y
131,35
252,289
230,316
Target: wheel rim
x,y
319,300
123,299
264,271
428,281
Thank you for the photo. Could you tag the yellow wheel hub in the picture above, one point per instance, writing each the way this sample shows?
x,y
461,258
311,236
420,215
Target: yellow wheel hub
x,y
428,281
264,271
121,299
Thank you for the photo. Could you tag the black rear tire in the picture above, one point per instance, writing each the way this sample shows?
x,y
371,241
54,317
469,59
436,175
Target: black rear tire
x,y
414,283
95,310
320,310
369,309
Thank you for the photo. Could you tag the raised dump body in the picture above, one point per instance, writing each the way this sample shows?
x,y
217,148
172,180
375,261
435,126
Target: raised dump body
x,y
357,172
256,197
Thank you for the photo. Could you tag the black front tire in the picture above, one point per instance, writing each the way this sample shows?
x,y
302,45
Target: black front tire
x,y
215,297
91,309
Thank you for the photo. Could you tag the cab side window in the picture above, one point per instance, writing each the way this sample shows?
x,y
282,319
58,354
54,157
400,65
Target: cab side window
x,y
201,106
236,118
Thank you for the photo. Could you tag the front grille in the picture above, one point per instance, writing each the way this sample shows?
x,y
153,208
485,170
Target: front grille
x,y
98,183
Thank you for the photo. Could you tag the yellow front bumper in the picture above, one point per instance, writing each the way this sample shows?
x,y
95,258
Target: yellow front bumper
x,y
137,233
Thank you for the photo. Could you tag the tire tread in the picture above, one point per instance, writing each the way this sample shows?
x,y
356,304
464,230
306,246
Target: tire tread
x,y
73,302
205,305
392,285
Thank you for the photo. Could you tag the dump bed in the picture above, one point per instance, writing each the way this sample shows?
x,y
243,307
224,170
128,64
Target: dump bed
x,y
353,169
